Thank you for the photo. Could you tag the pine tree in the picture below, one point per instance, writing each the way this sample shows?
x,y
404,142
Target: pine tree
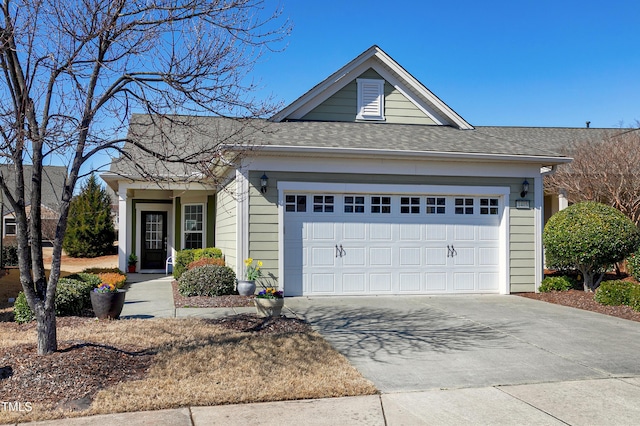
x,y
90,231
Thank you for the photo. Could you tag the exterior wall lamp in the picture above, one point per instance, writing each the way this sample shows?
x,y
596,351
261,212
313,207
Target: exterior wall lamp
x,y
525,189
264,181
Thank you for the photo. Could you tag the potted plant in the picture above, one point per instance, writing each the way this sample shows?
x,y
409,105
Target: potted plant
x,y
247,287
132,262
269,302
107,301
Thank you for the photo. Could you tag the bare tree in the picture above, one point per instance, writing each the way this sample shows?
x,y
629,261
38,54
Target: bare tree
x,y
606,171
73,72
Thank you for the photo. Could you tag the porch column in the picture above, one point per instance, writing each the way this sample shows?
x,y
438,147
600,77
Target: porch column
x,y
123,225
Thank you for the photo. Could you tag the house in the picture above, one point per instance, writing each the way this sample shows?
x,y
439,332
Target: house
x,y
368,184
54,179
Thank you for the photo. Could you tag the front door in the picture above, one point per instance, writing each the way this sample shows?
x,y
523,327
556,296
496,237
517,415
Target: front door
x,y
154,240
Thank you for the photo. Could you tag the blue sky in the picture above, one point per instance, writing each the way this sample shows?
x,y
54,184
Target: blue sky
x,y
508,63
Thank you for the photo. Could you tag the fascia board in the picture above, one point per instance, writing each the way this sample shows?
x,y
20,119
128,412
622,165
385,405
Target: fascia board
x,y
388,153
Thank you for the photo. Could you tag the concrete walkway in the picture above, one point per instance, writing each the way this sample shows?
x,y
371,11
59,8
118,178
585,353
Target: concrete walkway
x,y
462,360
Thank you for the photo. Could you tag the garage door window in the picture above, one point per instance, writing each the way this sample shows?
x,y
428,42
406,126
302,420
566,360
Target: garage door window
x,y
410,205
353,204
323,203
380,204
295,203
435,205
489,206
464,205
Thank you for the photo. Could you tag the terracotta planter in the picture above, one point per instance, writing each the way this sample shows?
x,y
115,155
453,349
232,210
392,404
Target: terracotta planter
x,y
131,268
268,307
246,287
107,305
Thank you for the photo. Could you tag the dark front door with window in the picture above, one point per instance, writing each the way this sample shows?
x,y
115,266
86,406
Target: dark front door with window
x,y
154,240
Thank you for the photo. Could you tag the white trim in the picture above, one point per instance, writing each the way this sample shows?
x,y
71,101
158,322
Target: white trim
x,y
242,218
168,208
124,233
538,203
356,188
204,224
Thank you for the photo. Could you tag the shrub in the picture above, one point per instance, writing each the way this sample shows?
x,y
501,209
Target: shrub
x,y
590,237
185,257
614,293
634,298
633,264
208,280
206,261
97,271
117,279
85,277
10,255
562,283
72,299
21,311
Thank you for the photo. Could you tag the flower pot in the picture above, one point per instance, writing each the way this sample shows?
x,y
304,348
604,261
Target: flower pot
x,y
131,269
246,287
107,305
268,307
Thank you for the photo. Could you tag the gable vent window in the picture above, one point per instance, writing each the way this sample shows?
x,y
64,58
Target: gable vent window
x,y
370,99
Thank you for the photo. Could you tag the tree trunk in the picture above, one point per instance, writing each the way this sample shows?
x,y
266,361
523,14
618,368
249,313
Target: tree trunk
x,y
46,330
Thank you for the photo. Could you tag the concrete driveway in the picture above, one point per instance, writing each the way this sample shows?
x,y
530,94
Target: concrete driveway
x,y
416,343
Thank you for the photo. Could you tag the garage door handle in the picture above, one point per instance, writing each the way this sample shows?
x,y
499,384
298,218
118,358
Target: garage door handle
x,y
451,251
340,251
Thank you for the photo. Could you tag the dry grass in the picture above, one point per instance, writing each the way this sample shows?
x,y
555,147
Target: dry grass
x,y
198,362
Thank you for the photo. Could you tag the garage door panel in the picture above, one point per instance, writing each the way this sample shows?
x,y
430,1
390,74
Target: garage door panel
x,y
409,232
464,233
463,281
410,256
436,232
488,256
354,283
488,281
354,256
488,233
322,256
380,256
435,256
354,231
323,283
323,231
436,281
464,256
380,283
409,282
380,232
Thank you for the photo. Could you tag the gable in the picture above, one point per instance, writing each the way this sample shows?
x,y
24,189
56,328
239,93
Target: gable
x,y
343,105
405,101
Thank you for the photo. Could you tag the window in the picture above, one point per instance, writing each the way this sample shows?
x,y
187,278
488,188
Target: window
x,y
370,99
323,203
380,204
488,206
410,205
464,205
193,226
295,203
353,204
9,226
435,205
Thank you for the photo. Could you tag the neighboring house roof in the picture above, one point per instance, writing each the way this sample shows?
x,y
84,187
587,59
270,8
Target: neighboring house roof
x,y
54,179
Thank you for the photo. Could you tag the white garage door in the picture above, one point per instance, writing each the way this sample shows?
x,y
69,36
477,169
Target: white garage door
x,y
344,244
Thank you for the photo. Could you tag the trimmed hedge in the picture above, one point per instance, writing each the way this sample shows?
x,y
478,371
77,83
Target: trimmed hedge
x,y
206,261
185,257
633,264
562,283
614,293
208,280
9,255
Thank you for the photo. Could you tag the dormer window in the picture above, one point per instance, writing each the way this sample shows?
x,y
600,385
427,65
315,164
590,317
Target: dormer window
x,y
370,99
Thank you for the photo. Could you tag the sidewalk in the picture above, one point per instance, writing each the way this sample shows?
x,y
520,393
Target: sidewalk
x,y
611,400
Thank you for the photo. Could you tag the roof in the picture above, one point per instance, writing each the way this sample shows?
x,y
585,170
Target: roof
x,y
54,179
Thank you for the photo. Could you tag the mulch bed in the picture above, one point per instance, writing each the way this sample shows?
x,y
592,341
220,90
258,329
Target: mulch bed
x,y
230,301
584,300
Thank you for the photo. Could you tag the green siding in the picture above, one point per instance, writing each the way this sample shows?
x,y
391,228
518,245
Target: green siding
x,y
263,217
343,105
225,223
